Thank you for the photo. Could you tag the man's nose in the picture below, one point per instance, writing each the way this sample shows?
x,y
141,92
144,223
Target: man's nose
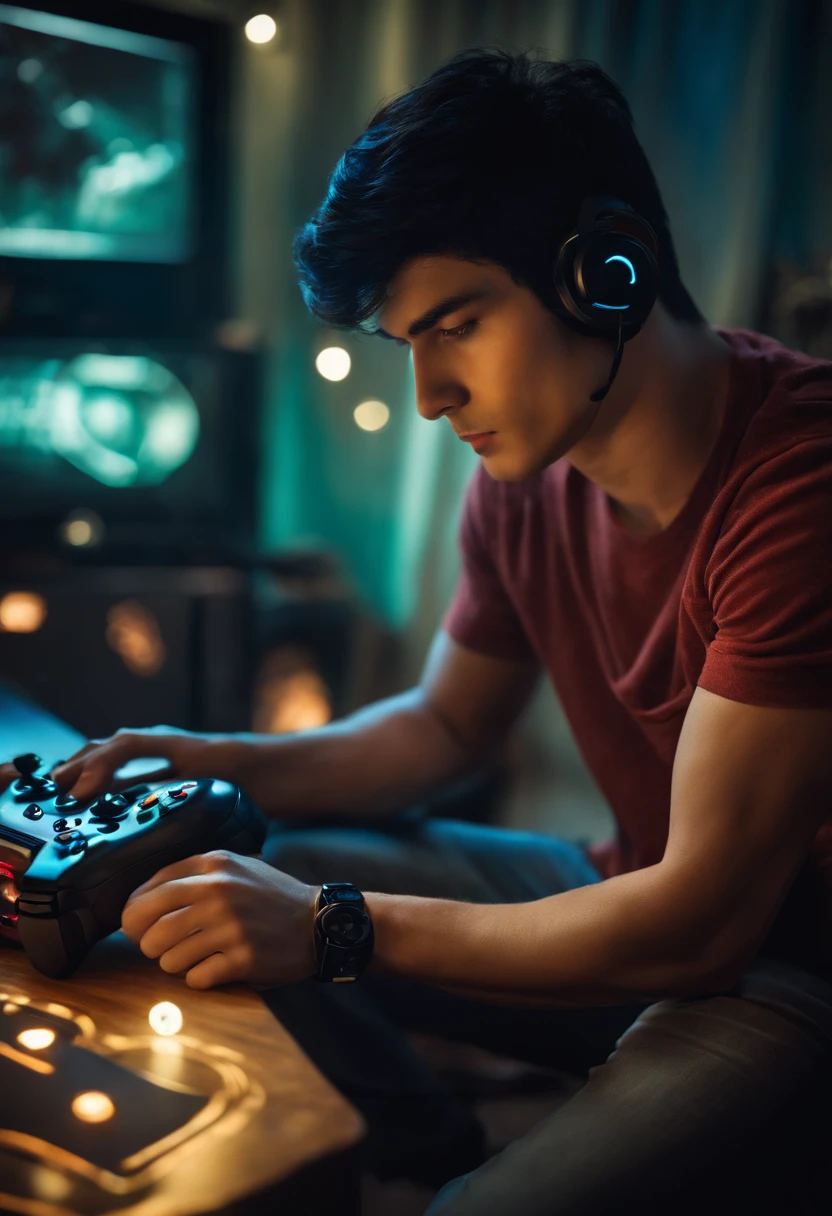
x,y
436,396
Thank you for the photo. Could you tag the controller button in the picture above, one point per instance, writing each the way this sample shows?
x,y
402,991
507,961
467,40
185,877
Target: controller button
x,y
68,837
33,812
108,826
79,846
150,800
65,800
188,785
60,825
144,816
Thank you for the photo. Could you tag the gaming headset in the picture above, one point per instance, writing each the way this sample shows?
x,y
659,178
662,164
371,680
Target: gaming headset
x,y
606,274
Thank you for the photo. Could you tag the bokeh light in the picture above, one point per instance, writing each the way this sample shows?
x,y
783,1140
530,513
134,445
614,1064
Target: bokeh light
x,y
133,633
371,415
82,529
22,612
261,28
93,1107
37,1038
333,363
165,1018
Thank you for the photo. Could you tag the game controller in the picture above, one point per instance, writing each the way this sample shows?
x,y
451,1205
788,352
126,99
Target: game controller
x,y
67,868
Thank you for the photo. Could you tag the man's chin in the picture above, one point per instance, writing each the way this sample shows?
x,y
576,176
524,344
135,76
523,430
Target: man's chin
x,y
503,468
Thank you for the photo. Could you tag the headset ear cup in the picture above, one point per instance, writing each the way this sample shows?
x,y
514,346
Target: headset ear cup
x,y
587,271
563,274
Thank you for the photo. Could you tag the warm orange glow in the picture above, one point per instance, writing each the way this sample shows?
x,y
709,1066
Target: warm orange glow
x,y
93,1107
36,1039
133,633
165,1018
291,695
22,612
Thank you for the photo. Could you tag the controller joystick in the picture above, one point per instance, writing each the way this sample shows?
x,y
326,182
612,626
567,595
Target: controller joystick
x,y
27,764
27,783
110,806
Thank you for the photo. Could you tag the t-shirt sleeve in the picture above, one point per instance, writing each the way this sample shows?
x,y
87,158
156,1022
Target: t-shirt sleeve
x,y
481,615
769,581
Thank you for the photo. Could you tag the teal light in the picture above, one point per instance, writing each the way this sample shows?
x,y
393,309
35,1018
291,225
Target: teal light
x,y
617,257
122,419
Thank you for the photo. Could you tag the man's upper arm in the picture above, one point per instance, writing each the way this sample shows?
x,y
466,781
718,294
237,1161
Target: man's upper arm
x,y
751,786
476,697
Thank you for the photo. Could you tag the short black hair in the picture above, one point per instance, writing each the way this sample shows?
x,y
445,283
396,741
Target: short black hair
x,y
488,159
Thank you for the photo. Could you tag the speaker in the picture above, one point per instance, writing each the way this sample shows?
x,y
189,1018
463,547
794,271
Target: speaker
x,y
108,647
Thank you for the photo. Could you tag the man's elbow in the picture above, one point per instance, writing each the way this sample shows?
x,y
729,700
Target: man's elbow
x,y
717,968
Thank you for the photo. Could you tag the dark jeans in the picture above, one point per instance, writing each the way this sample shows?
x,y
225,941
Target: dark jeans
x,y
707,1104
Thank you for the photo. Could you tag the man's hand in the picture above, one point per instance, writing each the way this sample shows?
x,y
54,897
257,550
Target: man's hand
x,y
91,770
219,918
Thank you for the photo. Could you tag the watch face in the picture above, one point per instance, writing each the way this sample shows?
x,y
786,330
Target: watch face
x,y
345,926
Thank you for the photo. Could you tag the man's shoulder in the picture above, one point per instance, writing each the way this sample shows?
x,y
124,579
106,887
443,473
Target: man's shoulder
x,y
774,378
781,397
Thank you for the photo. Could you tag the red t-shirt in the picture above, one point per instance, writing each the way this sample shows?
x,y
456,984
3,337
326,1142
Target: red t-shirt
x,y
735,595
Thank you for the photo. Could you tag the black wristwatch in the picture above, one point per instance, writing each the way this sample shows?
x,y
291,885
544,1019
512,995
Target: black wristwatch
x,y
343,933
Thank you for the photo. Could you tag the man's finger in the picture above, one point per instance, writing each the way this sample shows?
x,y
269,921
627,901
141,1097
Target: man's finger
x,y
141,911
188,867
219,968
171,929
61,772
8,774
168,773
193,949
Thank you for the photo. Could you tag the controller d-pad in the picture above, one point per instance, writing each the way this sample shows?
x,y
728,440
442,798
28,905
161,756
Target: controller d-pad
x,y
68,837
144,816
33,812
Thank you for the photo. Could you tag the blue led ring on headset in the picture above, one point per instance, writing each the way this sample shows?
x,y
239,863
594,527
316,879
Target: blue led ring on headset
x,y
608,231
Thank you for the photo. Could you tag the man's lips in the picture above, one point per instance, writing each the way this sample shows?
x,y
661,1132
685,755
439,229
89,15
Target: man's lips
x,y
476,434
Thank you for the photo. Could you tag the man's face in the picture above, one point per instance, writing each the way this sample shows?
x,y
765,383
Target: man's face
x,y
499,363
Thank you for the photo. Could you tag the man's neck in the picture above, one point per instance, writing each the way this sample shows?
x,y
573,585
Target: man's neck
x,y
660,422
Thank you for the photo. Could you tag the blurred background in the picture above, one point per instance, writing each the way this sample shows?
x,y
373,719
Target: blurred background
x,y
217,515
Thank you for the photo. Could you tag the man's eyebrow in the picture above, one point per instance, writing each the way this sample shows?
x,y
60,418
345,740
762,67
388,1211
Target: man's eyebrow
x,y
437,312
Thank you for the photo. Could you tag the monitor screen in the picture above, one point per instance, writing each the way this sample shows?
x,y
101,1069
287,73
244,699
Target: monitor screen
x,y
96,159
157,443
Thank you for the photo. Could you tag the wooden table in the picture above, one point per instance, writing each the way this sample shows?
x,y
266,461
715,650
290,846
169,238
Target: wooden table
x,y
275,1137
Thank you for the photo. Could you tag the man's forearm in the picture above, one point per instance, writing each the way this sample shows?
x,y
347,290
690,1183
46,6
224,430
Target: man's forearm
x,y
375,762
620,941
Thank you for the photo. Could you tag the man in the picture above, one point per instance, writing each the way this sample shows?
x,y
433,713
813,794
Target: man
x,y
655,534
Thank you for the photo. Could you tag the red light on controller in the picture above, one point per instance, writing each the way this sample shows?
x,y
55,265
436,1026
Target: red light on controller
x,y
9,895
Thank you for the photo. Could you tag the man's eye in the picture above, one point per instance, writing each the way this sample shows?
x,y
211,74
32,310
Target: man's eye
x,y
460,331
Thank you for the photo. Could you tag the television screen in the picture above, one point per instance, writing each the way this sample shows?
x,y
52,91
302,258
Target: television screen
x,y
97,146
157,444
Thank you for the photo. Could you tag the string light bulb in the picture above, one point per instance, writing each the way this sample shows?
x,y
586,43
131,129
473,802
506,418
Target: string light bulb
x,y
333,363
165,1018
371,415
261,29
